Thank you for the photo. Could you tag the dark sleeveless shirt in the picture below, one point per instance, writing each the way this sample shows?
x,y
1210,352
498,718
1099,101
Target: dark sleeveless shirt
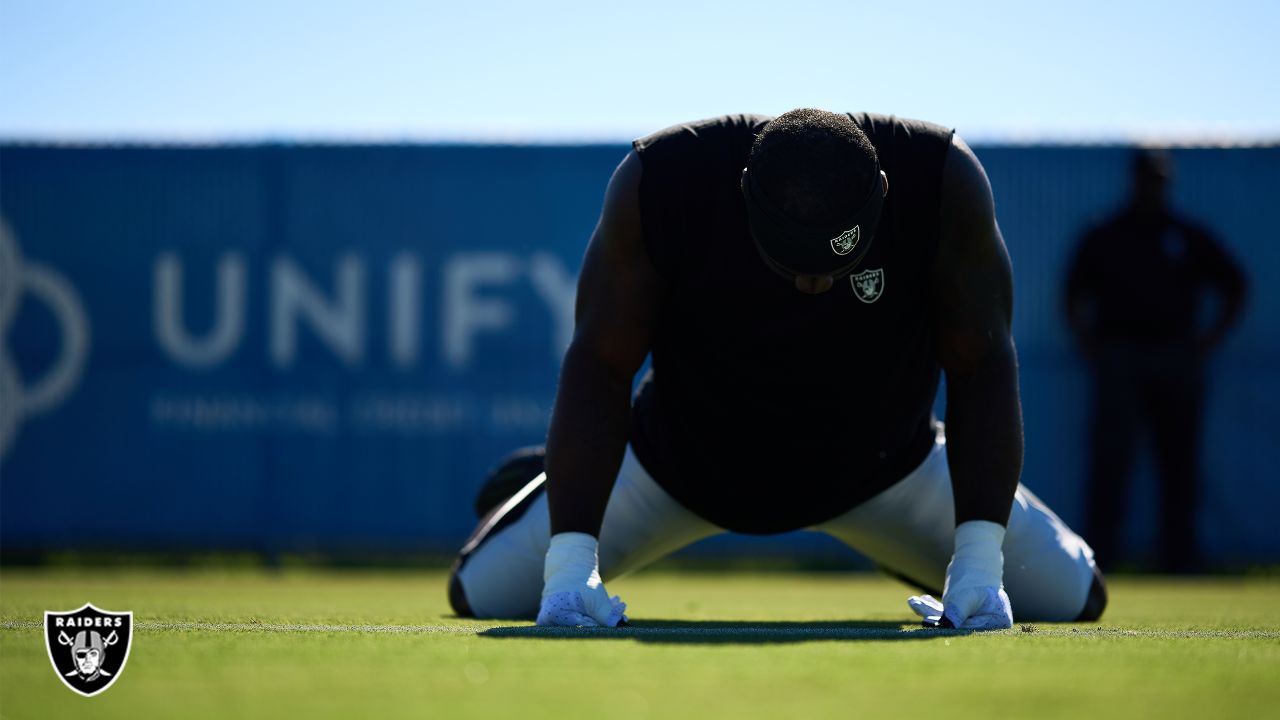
x,y
767,409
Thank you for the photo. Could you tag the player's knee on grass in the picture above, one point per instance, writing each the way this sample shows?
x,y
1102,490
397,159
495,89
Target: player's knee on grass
x,y
500,589
1096,602
458,596
490,588
497,582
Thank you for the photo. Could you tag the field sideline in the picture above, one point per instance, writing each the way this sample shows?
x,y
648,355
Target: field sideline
x,y
735,645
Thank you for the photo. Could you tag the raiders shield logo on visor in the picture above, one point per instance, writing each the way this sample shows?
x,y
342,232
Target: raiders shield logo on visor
x,y
845,242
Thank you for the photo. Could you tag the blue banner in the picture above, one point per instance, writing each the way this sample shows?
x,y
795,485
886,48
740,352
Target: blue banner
x,y
293,348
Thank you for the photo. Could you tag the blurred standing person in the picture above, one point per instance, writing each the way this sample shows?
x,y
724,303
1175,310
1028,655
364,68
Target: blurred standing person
x,y
1135,292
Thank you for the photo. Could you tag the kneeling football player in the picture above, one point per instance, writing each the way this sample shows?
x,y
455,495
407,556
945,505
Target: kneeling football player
x,y
800,283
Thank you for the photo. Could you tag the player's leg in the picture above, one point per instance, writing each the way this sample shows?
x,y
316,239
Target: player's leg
x,y
909,530
499,571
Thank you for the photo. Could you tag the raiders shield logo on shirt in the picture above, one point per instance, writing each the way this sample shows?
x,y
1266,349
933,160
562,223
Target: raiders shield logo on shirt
x,y
869,285
88,647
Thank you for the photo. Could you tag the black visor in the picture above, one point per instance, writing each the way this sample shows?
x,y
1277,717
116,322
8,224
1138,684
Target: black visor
x,y
791,248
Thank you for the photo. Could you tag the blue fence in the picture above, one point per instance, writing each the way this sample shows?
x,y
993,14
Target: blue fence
x,y
291,348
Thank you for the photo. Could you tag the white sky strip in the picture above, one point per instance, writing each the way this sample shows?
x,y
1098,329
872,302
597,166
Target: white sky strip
x,y
578,70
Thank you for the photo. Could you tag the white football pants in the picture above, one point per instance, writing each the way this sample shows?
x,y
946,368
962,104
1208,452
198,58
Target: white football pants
x,y
908,529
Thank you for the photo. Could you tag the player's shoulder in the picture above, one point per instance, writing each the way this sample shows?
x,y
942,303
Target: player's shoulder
x,y
902,126
891,134
707,133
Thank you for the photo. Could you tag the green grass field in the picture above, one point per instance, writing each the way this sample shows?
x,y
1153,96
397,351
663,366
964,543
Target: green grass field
x,y
736,645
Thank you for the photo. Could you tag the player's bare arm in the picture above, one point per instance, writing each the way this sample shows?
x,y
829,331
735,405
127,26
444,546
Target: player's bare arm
x,y
973,296
617,298
973,285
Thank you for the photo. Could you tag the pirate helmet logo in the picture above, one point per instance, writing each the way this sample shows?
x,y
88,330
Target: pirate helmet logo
x,y
869,285
845,242
88,647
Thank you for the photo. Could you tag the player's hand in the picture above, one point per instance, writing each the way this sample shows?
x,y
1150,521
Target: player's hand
x,y
573,593
987,609
973,597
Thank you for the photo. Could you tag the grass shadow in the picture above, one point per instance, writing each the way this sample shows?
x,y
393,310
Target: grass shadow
x,y
721,632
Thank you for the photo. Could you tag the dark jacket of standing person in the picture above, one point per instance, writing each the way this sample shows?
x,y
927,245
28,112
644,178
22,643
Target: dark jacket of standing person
x,y
1136,290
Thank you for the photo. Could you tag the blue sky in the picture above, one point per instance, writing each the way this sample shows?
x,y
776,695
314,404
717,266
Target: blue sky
x,y
556,71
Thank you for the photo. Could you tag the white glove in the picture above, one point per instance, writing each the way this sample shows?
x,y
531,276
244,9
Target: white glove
x,y
573,593
973,597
